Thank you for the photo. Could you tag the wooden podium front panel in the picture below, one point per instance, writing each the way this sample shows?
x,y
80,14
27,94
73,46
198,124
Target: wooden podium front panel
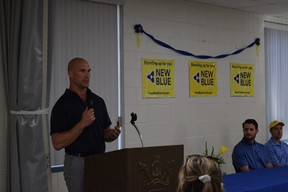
x,y
147,169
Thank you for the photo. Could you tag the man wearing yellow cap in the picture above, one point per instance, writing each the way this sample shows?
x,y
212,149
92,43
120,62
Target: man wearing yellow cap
x,y
277,149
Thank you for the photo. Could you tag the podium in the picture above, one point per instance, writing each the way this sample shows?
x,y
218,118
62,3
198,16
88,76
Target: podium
x,y
146,169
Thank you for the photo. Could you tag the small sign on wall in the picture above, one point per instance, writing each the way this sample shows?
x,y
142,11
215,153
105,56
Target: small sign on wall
x,y
202,78
158,78
242,80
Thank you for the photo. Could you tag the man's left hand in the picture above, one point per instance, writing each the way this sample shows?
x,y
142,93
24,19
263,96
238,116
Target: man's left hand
x,y
110,134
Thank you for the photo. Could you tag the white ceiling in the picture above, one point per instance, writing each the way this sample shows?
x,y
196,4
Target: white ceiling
x,y
276,8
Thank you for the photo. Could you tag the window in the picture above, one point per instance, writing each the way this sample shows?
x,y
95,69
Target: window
x,y
84,29
276,61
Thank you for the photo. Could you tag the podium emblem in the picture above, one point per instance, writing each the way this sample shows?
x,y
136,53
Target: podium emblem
x,y
156,175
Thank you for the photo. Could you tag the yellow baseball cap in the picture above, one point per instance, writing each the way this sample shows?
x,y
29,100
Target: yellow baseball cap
x,y
274,123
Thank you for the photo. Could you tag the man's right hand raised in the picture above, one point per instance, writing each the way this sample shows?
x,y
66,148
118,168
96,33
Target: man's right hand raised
x,y
88,117
63,139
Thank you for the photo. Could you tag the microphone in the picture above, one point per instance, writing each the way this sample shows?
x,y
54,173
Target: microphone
x,y
89,102
133,119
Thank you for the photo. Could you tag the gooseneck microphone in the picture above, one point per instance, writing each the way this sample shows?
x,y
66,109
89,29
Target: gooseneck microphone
x,y
133,119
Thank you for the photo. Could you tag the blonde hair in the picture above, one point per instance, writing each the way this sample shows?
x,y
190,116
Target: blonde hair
x,y
192,172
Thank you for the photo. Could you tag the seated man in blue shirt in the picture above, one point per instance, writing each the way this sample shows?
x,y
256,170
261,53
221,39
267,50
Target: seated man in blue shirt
x,y
248,154
277,149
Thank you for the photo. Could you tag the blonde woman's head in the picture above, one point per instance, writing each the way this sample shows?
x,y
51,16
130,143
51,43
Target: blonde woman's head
x,y
200,174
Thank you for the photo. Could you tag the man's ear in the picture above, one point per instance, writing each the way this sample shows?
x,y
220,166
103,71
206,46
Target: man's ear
x,y
70,73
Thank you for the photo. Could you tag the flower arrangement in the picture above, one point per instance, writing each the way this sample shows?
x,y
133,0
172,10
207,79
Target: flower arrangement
x,y
217,157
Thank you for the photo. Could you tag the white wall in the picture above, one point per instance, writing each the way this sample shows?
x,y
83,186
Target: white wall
x,y
191,121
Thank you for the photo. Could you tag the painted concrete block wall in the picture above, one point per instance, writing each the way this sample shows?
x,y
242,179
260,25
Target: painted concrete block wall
x,y
201,30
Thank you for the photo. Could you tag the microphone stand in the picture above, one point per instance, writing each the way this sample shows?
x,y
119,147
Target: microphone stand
x,y
133,119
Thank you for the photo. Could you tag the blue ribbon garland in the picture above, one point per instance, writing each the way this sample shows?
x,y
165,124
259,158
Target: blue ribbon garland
x,y
139,29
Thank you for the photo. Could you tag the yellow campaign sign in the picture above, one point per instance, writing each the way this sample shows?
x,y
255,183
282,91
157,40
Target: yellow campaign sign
x,y
158,78
242,80
202,78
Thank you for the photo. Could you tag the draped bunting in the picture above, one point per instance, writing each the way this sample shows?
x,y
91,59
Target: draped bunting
x,y
139,29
